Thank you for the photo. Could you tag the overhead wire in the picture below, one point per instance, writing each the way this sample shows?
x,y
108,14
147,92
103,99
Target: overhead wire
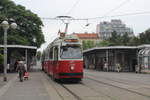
x,y
76,3
65,17
119,15
117,7
94,18
100,17
113,9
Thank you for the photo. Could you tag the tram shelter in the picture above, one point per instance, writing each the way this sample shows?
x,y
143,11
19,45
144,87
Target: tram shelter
x,y
126,56
15,52
144,58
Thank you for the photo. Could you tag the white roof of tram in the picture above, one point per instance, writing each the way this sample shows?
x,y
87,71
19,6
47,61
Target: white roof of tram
x,y
59,40
19,46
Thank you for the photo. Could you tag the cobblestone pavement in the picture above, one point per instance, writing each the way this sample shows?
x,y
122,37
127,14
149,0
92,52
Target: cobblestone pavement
x,y
32,89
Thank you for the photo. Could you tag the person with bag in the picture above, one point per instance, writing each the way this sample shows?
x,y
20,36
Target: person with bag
x,y
21,69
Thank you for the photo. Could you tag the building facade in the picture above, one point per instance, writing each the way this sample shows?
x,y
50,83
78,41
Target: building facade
x,y
105,29
88,36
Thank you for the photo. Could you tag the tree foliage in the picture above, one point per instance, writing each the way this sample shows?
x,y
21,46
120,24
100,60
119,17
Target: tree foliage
x,y
29,24
145,37
1,59
88,44
38,55
105,43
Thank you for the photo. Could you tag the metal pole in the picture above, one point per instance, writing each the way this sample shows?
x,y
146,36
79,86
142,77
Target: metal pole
x,y
107,59
26,60
66,28
5,54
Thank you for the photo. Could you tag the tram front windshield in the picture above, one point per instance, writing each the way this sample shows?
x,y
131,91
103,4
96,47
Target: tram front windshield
x,y
70,52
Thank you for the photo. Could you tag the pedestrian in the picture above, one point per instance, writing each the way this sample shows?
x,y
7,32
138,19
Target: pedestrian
x,y
8,67
106,67
25,65
15,65
118,67
21,69
137,68
140,68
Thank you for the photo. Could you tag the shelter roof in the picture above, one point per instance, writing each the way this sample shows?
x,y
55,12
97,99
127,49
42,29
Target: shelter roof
x,y
118,47
19,46
144,52
110,47
144,46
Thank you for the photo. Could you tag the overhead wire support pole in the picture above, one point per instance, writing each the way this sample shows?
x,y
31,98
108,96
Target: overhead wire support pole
x,y
66,28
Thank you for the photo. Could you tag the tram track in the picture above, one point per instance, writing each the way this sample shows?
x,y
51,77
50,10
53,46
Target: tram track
x,y
74,92
109,79
112,98
52,83
55,86
91,89
128,90
69,90
125,82
118,80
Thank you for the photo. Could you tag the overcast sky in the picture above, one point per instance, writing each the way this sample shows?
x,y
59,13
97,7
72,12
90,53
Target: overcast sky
x,y
88,9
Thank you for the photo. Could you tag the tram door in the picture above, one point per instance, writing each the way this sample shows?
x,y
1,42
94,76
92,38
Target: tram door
x,y
55,63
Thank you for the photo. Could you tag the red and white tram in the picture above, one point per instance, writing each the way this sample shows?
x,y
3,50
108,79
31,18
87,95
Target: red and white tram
x,y
63,58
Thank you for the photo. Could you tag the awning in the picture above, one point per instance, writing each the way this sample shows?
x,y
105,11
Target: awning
x,y
144,52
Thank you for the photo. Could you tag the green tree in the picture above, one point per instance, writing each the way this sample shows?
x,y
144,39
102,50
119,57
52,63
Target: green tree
x,y
29,24
105,43
134,41
84,45
38,55
125,39
88,44
116,39
113,37
145,37
1,59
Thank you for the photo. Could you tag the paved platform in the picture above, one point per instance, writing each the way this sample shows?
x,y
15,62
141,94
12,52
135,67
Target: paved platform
x,y
9,77
32,89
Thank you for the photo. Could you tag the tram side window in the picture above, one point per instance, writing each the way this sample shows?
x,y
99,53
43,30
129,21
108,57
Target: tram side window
x,y
56,53
51,53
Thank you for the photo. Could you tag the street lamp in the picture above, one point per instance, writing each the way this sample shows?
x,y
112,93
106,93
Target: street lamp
x,y
6,26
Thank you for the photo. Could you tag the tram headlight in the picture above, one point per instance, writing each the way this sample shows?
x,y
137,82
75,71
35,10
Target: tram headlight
x,y
72,68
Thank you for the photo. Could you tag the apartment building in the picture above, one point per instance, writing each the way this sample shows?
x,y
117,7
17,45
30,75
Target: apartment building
x,y
105,29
